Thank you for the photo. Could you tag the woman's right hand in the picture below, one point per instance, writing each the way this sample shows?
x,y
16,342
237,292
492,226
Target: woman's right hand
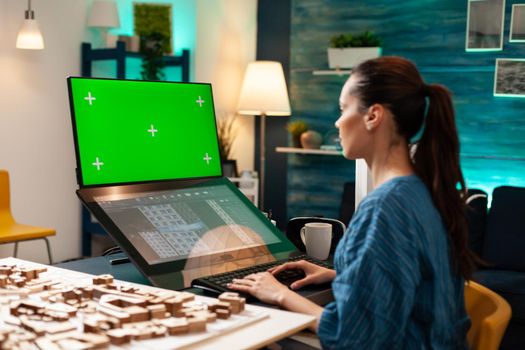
x,y
315,274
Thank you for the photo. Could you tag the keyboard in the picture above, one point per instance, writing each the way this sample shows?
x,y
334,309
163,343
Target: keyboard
x,y
219,283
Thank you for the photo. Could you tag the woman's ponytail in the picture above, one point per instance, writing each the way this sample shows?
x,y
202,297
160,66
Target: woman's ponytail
x,y
436,161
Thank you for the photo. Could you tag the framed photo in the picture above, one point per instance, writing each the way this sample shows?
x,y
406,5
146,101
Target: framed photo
x,y
485,20
509,77
517,24
153,20
229,168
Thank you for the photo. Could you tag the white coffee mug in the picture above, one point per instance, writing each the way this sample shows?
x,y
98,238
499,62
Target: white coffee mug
x,y
317,238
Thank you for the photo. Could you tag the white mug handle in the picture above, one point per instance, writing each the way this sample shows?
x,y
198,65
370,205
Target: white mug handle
x,y
302,235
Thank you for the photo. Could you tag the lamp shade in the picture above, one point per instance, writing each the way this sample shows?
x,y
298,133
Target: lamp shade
x,y
104,14
29,36
264,90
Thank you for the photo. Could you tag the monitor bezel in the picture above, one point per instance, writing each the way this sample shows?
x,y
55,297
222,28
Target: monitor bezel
x,y
87,196
78,170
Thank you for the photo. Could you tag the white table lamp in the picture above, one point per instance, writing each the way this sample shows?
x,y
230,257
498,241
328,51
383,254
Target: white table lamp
x,y
104,15
264,93
29,36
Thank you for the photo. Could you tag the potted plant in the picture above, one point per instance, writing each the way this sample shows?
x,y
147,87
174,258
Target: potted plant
x,y
152,49
296,128
347,50
227,132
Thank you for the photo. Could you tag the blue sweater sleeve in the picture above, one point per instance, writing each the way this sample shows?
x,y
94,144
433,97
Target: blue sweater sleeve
x,y
377,273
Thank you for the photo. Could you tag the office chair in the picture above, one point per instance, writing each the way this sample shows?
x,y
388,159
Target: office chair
x,y
10,230
489,314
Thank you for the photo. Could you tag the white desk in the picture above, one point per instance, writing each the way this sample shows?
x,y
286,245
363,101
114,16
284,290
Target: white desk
x,y
275,325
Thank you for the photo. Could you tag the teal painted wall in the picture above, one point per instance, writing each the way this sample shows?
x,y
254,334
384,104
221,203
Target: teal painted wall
x,y
432,34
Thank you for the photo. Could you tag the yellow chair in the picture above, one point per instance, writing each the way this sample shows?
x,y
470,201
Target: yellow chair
x,y
489,314
12,232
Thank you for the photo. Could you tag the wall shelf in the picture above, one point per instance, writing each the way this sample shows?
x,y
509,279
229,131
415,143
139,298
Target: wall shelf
x,y
119,54
422,69
332,72
308,151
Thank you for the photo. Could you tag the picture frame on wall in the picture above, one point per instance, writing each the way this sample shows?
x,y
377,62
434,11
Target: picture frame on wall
x,y
152,19
509,77
485,22
517,24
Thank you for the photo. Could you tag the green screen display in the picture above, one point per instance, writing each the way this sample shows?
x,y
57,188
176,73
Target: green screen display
x,y
136,131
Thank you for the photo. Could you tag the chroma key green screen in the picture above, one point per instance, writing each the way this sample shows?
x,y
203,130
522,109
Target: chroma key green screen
x,y
136,131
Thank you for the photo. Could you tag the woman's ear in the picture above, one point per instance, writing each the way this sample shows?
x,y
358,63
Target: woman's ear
x,y
374,116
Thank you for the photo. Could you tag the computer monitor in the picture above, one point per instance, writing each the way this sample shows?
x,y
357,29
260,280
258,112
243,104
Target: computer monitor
x,y
150,172
129,131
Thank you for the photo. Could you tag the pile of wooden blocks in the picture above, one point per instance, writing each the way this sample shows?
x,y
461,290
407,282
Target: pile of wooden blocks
x,y
41,311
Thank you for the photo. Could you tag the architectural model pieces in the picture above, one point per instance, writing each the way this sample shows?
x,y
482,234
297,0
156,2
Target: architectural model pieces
x,y
234,300
46,313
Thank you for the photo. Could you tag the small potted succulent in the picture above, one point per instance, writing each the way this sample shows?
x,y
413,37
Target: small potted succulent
x,y
347,50
296,128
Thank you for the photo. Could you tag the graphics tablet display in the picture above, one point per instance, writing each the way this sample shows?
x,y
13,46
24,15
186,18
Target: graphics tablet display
x,y
130,131
208,222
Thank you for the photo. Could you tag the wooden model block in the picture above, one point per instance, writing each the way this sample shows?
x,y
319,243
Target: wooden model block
x,y
6,270
128,289
137,313
173,305
175,326
123,317
69,293
3,281
223,314
188,310
29,274
197,324
142,334
157,311
209,316
60,328
96,341
18,281
33,327
91,325
123,301
119,336
20,292
103,279
46,344
237,303
87,292
219,305
112,286
186,297
62,308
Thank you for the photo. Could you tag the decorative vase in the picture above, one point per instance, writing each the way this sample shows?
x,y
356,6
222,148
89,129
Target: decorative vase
x,y
311,139
350,56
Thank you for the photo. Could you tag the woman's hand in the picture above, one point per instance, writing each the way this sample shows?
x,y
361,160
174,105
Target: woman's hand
x,y
263,286
315,274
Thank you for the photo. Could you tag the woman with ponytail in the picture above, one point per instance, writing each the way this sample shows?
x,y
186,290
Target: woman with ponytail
x,y
401,266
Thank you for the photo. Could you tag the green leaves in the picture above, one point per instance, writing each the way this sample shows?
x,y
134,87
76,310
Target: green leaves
x,y
365,39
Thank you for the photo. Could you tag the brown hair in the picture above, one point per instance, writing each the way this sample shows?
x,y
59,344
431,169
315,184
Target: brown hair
x,y
396,83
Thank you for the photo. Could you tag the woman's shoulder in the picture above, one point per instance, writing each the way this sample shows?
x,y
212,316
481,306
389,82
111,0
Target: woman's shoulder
x,y
401,190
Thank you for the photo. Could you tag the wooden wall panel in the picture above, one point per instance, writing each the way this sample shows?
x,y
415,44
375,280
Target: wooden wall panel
x,y
430,33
